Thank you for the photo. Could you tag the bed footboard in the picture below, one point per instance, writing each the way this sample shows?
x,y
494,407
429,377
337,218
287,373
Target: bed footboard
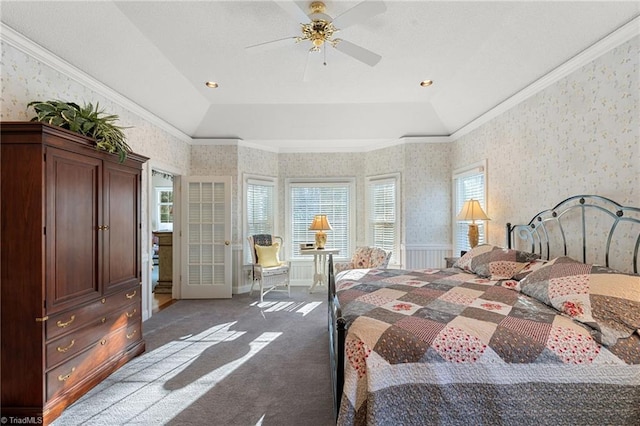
x,y
336,341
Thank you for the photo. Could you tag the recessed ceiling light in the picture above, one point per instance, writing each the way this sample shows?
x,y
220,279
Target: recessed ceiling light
x,y
211,84
426,83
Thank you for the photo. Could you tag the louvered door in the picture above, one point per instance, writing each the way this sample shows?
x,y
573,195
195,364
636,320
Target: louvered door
x,y
206,238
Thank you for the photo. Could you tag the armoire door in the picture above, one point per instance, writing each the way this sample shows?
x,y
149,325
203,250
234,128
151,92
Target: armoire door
x,y
121,227
73,212
206,238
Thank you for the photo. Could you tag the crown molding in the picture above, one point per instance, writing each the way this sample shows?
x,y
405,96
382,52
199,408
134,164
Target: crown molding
x,y
39,53
623,34
426,139
216,141
330,145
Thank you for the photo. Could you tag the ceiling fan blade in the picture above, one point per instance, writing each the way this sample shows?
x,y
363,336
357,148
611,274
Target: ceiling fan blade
x,y
294,10
359,13
315,65
357,52
272,43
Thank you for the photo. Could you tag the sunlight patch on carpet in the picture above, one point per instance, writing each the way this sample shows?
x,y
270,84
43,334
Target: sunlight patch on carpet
x,y
306,309
149,390
297,307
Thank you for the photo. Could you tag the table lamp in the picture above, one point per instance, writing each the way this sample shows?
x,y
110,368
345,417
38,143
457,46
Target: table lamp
x,y
320,224
471,210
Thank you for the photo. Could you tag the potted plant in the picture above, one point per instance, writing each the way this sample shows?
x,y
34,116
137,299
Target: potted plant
x,y
86,120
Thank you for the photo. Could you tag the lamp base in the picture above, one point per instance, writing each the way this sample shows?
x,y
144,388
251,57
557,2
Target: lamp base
x,y
321,239
473,235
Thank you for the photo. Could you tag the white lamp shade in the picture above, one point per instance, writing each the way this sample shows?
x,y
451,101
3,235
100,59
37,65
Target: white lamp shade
x,y
320,223
471,210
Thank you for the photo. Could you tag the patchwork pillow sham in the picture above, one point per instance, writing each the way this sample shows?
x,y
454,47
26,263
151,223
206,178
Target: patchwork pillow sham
x,y
530,267
606,300
495,263
268,255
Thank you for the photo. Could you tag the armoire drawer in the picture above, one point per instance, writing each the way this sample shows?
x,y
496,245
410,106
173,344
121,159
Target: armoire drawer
x,y
76,318
80,367
67,346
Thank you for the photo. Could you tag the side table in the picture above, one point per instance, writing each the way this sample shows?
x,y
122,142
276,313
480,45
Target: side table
x,y
320,257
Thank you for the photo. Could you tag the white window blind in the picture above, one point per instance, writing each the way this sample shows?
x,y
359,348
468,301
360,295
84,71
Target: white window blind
x,y
260,209
383,214
467,185
309,199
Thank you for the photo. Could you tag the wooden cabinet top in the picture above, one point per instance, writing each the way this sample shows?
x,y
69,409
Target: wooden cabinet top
x,y
17,132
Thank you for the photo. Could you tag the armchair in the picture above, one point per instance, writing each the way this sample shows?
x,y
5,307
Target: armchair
x,y
268,272
365,258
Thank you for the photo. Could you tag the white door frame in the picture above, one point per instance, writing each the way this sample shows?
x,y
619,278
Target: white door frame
x,y
147,295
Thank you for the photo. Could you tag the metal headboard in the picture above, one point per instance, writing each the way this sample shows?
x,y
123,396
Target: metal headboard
x,y
589,228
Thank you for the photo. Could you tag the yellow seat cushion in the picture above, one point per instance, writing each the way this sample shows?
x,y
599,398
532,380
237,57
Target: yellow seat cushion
x,y
268,255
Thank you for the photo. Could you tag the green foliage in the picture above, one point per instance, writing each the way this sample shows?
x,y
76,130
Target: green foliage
x,y
86,120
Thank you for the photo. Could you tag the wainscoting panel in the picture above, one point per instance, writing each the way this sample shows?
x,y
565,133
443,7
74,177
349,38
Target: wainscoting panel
x,y
426,256
301,274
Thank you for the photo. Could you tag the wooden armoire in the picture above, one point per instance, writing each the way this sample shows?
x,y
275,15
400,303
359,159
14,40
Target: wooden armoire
x,y
71,275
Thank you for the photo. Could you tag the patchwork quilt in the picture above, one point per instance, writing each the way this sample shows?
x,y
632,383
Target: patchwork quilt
x,y
451,347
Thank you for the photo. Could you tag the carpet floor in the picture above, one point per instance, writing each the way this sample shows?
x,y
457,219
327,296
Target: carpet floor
x,y
222,362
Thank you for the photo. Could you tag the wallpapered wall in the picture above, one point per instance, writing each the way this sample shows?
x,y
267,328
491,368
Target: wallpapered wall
x,y
579,136
25,79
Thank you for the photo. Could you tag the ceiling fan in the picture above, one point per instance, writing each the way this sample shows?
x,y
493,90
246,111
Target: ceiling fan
x,y
319,29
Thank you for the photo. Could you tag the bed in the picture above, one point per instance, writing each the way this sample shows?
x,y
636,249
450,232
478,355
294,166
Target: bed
x,y
541,331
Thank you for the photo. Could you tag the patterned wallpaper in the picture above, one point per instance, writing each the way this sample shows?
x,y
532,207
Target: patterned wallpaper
x,y
427,193
24,79
579,136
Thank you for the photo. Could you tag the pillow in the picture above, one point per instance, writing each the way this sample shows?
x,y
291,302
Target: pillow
x,y
604,299
495,263
268,255
532,266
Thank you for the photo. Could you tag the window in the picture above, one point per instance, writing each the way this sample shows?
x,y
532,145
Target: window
x,y
260,207
468,183
164,209
383,213
333,198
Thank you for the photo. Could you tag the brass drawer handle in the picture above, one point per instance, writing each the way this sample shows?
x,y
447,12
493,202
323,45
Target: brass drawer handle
x,y
130,296
65,324
103,320
103,342
129,336
66,376
63,350
129,315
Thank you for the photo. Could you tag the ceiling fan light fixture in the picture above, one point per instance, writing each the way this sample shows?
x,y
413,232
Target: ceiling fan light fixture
x,y
318,29
426,83
317,41
211,84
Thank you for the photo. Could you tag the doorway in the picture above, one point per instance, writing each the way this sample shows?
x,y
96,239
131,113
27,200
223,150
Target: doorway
x,y
161,225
